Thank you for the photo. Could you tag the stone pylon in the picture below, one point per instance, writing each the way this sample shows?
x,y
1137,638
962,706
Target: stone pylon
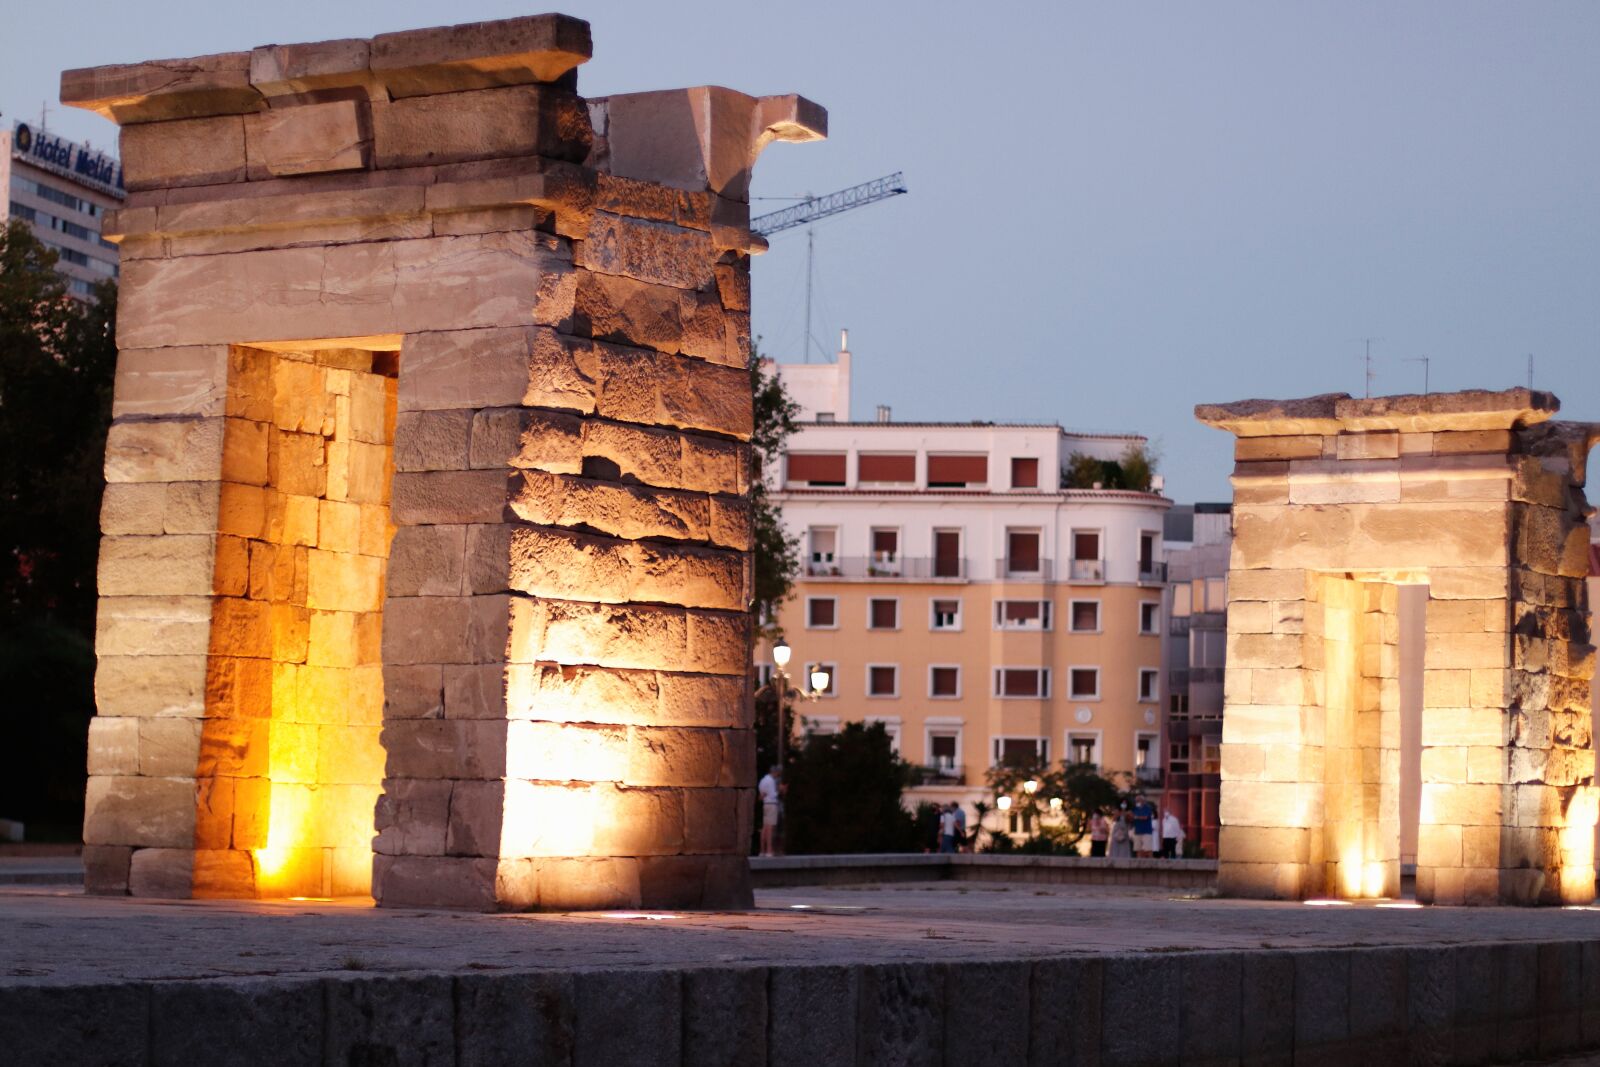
x,y
427,482
1477,496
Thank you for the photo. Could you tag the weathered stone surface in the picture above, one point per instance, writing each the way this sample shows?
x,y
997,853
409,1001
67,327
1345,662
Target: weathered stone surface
x,y
533,48
160,155
164,89
504,1018
199,1021
408,1019
310,139
648,251
524,120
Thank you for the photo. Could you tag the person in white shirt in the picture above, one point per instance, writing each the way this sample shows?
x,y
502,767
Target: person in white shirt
x,y
770,806
1171,836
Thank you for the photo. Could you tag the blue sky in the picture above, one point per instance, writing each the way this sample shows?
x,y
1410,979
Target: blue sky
x,y
1116,210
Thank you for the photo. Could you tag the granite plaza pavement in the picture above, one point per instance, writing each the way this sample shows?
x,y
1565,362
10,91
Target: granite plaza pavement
x,y
935,972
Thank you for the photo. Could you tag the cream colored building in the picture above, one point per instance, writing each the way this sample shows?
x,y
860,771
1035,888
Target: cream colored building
x,y
63,190
954,592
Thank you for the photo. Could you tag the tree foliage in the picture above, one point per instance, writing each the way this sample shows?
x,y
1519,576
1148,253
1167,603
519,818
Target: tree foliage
x,y
776,552
1133,470
844,794
57,363
1080,787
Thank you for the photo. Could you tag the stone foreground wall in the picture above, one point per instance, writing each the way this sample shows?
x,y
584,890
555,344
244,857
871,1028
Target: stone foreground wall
x,y
1480,498
557,294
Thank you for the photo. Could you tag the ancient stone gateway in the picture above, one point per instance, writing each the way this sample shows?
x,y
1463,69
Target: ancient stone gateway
x,y
427,478
1477,497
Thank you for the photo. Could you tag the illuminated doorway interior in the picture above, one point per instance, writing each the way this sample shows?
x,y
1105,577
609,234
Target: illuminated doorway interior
x,y
290,758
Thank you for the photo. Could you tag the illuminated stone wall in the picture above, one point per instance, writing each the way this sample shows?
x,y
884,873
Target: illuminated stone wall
x,y
1478,497
416,288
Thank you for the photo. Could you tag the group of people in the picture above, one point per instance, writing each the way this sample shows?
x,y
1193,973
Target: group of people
x,y
1139,832
952,828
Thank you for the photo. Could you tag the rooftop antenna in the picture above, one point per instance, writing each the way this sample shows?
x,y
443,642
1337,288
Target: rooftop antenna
x,y
1530,370
1424,361
812,208
1368,342
44,111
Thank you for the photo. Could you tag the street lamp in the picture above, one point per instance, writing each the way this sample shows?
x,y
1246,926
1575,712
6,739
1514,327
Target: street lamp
x,y
781,654
1031,786
1003,803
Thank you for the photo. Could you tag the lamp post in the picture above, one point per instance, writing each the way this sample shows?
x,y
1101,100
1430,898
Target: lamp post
x,y
820,680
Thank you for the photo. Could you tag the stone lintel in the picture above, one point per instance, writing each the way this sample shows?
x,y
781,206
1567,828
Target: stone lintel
x,y
516,51
565,189
1336,413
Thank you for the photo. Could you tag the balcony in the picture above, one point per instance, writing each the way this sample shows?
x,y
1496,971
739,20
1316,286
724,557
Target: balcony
x,y
1184,677
1152,573
1150,776
884,567
1033,570
944,774
1088,570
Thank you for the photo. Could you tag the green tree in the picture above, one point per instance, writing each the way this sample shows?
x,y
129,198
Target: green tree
x,y
844,794
1080,787
777,553
57,363
1133,470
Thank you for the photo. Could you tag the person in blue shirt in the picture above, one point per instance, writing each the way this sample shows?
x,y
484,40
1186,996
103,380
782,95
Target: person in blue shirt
x,y
1144,827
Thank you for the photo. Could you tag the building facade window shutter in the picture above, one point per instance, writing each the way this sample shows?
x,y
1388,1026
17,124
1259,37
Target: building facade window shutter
x,y
947,554
957,471
885,614
1024,472
882,681
817,468
885,542
1086,544
946,681
1017,682
1085,615
820,612
1022,550
890,469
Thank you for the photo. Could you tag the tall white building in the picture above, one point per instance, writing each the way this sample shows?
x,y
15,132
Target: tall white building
x,y
63,190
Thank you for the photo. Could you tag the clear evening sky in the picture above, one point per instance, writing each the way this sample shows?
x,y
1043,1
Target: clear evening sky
x,y
1116,210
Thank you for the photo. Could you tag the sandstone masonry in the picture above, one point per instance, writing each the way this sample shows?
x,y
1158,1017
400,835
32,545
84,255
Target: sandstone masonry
x,y
426,511
1479,497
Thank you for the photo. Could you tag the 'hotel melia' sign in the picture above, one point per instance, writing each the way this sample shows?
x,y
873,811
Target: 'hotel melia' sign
x,y
67,158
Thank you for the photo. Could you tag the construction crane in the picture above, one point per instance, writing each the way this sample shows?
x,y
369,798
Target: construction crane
x,y
812,208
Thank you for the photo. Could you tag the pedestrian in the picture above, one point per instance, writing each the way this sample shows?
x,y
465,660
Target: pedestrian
x,y
1171,836
1144,827
1121,847
1099,832
947,829
770,806
961,827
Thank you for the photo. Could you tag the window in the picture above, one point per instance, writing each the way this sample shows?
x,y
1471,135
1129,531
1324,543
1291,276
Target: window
x,y
1182,599
1024,472
1084,683
830,687
1085,544
822,613
1144,752
1022,551
1178,757
1179,702
811,468
824,542
885,550
944,747
763,674
1149,617
24,212
1147,553
1085,616
1149,683
944,682
1022,614
947,561
957,472
891,470
1210,756
1026,682
946,615
883,680
1084,748
1021,751
883,613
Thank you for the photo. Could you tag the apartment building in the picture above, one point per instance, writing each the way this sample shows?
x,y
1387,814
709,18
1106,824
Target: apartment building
x,y
1199,538
953,591
62,189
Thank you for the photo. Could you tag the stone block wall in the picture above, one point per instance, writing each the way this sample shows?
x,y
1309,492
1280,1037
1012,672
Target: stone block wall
x,y
433,390
1478,497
